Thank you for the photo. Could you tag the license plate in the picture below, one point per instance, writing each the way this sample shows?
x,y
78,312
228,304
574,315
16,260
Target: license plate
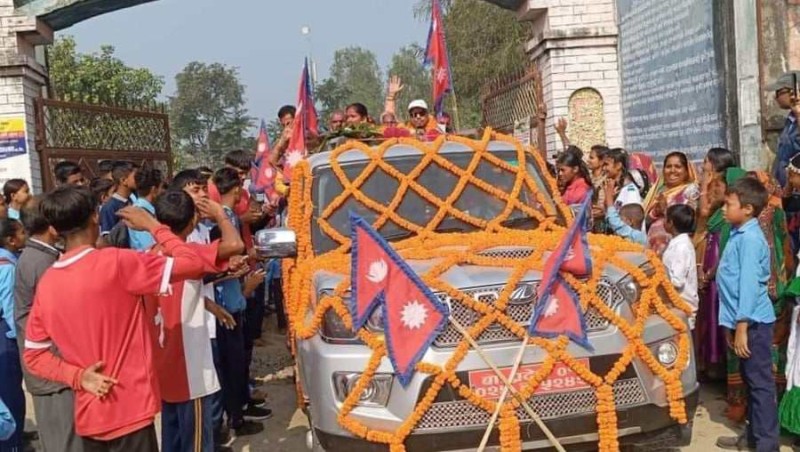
x,y
488,385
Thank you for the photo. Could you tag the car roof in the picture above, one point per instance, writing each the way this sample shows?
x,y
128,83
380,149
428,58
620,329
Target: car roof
x,y
401,150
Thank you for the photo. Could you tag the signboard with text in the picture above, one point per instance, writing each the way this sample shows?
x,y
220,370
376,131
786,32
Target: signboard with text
x,y
12,136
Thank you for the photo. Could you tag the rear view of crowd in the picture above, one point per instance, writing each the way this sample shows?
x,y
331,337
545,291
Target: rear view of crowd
x,y
176,257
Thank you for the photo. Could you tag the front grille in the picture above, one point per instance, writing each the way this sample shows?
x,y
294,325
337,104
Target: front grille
x,y
508,253
520,313
461,413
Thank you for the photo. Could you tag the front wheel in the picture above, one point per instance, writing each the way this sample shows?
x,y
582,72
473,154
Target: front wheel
x,y
312,442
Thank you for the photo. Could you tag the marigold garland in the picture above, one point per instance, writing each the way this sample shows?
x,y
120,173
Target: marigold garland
x,y
307,310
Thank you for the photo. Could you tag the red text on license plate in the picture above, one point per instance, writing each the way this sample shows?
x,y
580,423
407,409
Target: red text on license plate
x,y
488,385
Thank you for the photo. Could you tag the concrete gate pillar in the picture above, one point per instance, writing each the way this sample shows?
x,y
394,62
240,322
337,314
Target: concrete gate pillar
x,y
22,79
574,45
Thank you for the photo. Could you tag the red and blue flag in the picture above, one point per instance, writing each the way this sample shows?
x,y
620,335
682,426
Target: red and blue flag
x,y
413,316
263,172
305,120
558,311
436,56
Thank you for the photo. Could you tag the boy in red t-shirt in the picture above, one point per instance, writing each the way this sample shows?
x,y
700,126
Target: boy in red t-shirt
x,y
89,306
182,345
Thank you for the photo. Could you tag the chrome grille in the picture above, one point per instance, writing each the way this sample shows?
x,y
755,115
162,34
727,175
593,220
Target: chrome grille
x,y
520,313
508,253
461,413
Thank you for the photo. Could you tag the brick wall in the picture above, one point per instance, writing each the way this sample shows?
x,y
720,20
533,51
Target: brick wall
x,y
575,47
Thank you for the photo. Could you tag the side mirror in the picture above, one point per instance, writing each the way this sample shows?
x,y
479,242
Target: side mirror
x,y
276,243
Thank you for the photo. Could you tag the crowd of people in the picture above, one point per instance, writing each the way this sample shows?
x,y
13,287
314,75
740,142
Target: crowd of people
x,y
729,241
189,298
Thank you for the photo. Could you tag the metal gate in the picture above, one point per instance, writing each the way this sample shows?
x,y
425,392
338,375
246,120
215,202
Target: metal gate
x,y
512,103
88,134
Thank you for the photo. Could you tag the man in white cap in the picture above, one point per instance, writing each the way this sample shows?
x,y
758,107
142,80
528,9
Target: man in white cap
x,y
421,123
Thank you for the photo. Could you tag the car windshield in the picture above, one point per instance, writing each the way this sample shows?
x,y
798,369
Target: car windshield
x,y
381,188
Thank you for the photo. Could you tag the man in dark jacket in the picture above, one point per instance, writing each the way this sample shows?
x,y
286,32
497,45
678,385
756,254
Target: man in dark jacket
x,y
52,402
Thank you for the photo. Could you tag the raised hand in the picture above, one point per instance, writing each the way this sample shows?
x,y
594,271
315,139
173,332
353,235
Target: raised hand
x,y
210,209
137,218
561,126
395,86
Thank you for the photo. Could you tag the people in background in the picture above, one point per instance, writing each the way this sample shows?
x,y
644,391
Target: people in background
x,y
789,141
679,255
336,121
356,113
102,189
12,240
148,188
124,174
69,173
791,204
16,193
573,176
104,168
598,175
678,185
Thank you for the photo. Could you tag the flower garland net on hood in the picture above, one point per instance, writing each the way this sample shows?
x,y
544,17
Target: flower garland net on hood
x,y
306,310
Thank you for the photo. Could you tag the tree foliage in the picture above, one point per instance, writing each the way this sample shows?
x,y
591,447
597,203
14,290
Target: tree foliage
x,y
407,64
99,77
207,113
354,77
484,42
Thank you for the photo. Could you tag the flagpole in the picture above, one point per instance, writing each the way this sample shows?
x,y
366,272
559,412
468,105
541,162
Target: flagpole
x,y
507,382
455,108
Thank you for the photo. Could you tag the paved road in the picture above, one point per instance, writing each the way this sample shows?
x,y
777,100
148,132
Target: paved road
x,y
286,431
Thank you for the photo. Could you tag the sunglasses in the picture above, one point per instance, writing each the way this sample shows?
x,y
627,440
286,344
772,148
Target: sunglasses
x,y
419,114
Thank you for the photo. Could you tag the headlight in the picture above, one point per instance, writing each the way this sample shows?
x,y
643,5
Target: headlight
x,y
375,394
375,320
333,328
630,289
666,353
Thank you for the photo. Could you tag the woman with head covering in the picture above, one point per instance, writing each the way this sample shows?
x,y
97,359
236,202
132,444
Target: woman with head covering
x,y
678,185
712,232
773,224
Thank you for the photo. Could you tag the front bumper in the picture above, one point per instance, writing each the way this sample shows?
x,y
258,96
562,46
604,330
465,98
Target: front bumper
x,y
637,426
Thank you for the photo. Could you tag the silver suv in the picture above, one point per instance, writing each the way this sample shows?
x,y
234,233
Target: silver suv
x,y
331,361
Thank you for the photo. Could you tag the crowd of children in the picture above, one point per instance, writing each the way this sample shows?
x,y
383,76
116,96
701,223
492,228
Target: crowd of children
x,y
729,243
99,372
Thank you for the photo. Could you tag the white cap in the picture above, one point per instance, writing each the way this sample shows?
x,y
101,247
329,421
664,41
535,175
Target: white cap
x,y
419,103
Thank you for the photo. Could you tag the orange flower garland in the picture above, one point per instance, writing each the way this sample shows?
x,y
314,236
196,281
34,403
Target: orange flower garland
x,y
307,310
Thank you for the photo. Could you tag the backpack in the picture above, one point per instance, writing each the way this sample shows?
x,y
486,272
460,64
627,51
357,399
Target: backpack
x,y
119,237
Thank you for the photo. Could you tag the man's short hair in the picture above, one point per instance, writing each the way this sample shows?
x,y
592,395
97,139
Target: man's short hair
x,y
205,171
682,218
32,218
65,169
105,167
187,177
287,110
240,159
750,191
100,187
633,213
69,209
121,170
226,179
147,179
175,209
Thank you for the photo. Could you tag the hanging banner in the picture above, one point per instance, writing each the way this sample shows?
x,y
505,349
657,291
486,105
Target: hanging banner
x,y
12,136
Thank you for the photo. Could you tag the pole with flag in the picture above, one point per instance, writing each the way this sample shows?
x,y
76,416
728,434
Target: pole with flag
x,y
263,173
305,121
437,58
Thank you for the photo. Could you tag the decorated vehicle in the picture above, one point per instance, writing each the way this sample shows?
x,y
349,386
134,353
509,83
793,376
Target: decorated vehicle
x,y
472,225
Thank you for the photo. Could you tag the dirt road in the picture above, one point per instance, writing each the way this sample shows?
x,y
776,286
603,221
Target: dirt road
x,y
286,431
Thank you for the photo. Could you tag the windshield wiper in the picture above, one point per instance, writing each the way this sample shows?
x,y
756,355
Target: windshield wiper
x,y
398,235
520,221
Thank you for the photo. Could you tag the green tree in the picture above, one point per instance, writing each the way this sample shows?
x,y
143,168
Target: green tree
x,y
99,77
407,64
354,77
484,42
207,113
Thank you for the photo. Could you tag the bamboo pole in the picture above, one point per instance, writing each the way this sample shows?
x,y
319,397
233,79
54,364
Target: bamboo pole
x,y
507,382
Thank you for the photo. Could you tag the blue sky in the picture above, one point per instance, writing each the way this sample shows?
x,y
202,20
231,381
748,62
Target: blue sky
x,y
261,37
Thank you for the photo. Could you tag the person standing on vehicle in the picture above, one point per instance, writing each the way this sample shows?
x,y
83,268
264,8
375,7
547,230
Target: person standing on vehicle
x,y
789,141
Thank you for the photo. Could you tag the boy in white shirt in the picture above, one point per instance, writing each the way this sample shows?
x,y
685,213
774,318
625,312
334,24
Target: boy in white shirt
x,y
679,257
